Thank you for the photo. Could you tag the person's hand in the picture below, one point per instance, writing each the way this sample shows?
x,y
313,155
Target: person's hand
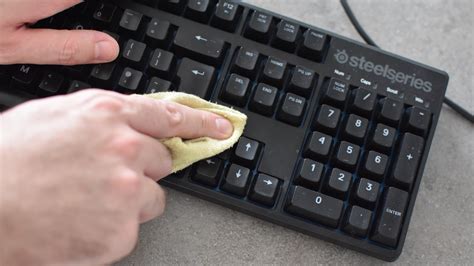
x,y
22,45
79,172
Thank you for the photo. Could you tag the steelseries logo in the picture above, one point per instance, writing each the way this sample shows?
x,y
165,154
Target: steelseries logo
x,y
385,71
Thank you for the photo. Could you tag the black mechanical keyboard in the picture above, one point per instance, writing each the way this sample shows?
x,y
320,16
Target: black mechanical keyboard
x,y
338,132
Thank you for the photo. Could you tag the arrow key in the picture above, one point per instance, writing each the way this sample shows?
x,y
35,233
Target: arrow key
x,y
246,152
236,180
264,190
208,171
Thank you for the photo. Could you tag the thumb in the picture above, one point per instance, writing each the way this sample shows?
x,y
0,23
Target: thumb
x,y
63,47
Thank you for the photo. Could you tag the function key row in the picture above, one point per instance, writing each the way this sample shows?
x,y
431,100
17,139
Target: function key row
x,y
286,35
221,14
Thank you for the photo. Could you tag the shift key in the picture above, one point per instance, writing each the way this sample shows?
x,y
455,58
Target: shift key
x,y
389,221
201,47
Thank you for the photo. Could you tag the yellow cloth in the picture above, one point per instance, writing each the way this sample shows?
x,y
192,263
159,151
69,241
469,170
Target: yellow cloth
x,y
186,152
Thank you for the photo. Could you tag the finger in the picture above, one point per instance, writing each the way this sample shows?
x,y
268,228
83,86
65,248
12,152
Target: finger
x,y
36,10
155,158
163,119
152,200
63,47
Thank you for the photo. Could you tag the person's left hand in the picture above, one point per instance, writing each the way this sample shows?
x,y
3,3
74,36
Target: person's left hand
x,y
21,44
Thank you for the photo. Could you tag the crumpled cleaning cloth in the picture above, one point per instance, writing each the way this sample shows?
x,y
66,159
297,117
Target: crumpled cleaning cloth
x,y
186,152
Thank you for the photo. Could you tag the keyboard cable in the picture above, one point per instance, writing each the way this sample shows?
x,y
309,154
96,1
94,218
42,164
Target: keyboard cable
x,y
456,107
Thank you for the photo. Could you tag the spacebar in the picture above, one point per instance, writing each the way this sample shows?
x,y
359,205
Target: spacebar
x,y
195,78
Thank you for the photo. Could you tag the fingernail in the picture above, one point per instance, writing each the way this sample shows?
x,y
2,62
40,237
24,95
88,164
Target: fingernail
x,y
104,51
224,126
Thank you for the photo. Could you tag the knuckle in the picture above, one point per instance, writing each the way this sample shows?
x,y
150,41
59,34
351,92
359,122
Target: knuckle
x,y
127,146
127,182
174,115
106,103
69,52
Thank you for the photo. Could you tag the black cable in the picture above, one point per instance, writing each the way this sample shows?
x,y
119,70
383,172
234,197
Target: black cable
x,y
456,107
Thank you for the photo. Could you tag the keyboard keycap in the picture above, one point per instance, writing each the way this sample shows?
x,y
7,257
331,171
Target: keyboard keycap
x,y
292,109
309,174
173,6
367,192
384,137
197,10
236,180
418,120
336,93
77,85
264,99
356,128
339,182
315,206
236,90
195,78
208,172
246,152
102,74
130,20
264,190
259,27
158,85
246,62
328,118
390,218
51,84
347,155
302,81
226,15
286,35
105,12
319,146
391,112
376,164
161,63
24,77
133,52
313,45
364,101
358,221
130,80
409,156
157,31
274,71
199,46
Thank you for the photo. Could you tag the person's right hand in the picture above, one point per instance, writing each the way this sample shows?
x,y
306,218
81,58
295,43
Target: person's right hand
x,y
79,173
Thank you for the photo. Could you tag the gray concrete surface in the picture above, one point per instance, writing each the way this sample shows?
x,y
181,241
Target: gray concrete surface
x,y
438,33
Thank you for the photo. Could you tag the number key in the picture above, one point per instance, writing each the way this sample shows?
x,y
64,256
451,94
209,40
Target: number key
x,y
356,127
384,137
318,146
376,164
348,154
328,118
309,174
339,181
367,192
